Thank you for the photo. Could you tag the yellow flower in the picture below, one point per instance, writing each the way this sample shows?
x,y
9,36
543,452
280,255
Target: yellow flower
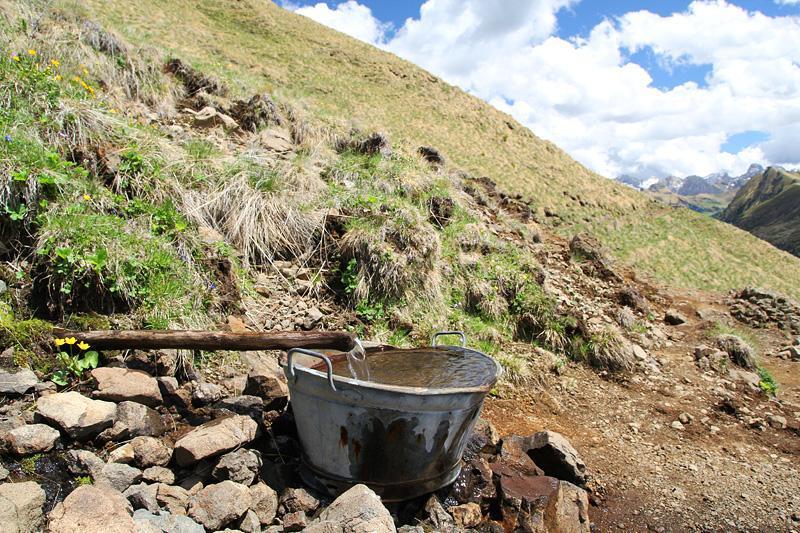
x,y
16,57
83,346
113,110
85,71
55,63
31,52
59,342
57,77
87,197
70,340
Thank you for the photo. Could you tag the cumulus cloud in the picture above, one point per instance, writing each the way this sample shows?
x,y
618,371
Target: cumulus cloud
x,y
588,95
348,17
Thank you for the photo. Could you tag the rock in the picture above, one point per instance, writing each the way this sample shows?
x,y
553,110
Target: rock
x,y
215,437
208,117
751,379
143,496
676,425
276,140
158,474
154,362
218,505
514,458
120,476
431,155
738,350
484,439
149,451
249,523
206,393
358,510
543,503
255,113
93,509
777,421
674,318
630,297
685,418
17,383
441,519
241,466
84,463
78,416
466,515
639,352
124,384
3,473
122,454
264,502
134,420
246,404
147,521
267,381
21,507
293,500
585,247
556,457
30,439
295,521
175,499
474,483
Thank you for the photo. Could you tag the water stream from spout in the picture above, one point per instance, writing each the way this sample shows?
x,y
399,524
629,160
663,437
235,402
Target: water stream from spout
x,y
357,362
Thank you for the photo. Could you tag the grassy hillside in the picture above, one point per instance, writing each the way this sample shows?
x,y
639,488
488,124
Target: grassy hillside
x,y
769,207
256,46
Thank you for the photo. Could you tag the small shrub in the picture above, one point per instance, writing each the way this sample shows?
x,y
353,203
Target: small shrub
x,y
767,382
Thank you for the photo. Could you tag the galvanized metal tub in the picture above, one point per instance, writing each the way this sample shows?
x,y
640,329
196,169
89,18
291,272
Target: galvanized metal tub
x,y
400,441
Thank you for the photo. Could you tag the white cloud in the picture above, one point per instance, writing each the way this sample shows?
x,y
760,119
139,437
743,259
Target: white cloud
x,y
348,17
787,2
587,96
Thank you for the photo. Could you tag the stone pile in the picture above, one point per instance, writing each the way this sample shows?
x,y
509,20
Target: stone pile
x,y
760,308
145,453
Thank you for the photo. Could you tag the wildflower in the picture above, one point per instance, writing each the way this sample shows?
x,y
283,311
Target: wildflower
x,y
59,342
15,57
87,197
70,340
55,63
113,110
57,77
85,71
83,346
8,138
31,52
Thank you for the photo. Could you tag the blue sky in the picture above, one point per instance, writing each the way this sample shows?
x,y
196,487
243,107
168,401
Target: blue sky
x,y
625,86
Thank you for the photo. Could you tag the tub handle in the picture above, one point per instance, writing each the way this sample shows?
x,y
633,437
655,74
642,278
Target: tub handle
x,y
312,354
444,333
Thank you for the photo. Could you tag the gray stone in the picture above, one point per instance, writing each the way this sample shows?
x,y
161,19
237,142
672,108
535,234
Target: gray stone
x,y
150,451
84,463
3,473
158,474
264,502
777,421
246,404
215,437
674,318
555,455
206,393
142,496
738,350
359,510
125,384
21,507
165,522
216,506
31,438
17,383
296,521
134,420
543,503
80,417
294,499
250,523
241,466
441,519
93,509
466,515
120,476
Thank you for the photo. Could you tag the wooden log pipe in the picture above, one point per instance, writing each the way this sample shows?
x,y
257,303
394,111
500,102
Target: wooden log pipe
x,y
211,340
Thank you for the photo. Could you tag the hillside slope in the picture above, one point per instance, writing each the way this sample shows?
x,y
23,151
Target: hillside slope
x,y
255,46
769,207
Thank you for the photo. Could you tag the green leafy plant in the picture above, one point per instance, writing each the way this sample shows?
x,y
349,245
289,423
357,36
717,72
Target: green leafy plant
x,y
767,383
74,360
83,480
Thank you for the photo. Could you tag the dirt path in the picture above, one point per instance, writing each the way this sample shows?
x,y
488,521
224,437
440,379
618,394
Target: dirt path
x,y
717,472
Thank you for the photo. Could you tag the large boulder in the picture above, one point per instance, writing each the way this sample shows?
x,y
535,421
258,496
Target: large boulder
x,y
31,438
80,417
241,466
213,438
143,496
555,455
216,506
543,503
359,510
21,507
134,420
125,384
93,509
17,383
264,502
741,353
